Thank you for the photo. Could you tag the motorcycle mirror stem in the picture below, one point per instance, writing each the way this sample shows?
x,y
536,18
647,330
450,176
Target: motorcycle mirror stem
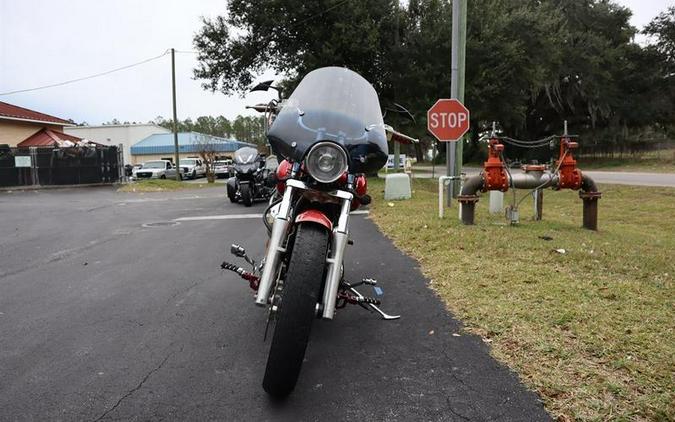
x,y
240,252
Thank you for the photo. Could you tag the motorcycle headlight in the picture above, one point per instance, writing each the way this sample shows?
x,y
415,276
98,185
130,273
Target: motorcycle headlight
x,y
326,162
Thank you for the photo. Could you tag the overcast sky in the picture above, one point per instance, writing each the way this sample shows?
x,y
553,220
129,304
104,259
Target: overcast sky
x,y
49,41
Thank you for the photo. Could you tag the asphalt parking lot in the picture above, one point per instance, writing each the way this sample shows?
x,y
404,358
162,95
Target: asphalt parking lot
x,y
113,307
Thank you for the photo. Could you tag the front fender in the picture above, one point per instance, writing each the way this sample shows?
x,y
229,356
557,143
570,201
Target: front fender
x,y
314,216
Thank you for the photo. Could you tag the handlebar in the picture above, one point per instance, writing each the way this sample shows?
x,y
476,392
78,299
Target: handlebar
x,y
261,108
399,137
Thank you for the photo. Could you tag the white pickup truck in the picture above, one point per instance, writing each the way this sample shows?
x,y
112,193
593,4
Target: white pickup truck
x,y
193,167
159,169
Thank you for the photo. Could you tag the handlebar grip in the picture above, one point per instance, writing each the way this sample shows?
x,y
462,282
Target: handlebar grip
x,y
261,108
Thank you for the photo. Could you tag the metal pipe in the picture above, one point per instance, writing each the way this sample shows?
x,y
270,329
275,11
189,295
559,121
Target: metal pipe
x,y
533,180
469,196
472,185
588,184
538,203
589,195
468,211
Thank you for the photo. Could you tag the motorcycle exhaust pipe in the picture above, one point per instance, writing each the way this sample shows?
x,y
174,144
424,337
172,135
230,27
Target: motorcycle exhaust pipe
x,y
340,238
275,249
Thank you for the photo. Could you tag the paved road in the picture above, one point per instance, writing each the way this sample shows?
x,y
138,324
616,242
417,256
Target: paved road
x,y
611,177
104,317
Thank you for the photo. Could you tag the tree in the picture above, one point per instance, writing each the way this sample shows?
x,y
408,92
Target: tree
x,y
243,128
662,28
530,65
294,37
208,151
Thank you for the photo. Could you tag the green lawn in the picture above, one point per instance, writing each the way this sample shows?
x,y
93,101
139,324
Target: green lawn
x,y
661,161
161,185
653,162
591,330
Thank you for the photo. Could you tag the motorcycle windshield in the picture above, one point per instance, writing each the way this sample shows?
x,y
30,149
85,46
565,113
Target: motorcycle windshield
x,y
332,104
246,155
245,168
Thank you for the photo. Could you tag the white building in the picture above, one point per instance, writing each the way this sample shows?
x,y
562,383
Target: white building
x,y
127,135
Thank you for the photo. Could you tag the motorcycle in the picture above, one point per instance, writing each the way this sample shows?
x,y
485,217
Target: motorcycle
x,y
249,181
330,133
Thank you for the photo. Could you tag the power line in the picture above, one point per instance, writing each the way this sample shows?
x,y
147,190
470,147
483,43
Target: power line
x,y
86,77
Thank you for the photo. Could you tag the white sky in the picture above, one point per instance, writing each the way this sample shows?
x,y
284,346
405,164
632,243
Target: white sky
x,y
44,42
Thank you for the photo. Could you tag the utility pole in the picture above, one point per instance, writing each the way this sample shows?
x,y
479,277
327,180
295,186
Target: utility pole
x,y
461,53
175,117
454,149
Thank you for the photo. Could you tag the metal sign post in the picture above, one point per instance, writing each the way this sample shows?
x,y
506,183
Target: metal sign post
x,y
454,149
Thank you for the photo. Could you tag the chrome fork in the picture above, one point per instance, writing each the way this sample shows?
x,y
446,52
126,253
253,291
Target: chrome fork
x,y
334,261
275,247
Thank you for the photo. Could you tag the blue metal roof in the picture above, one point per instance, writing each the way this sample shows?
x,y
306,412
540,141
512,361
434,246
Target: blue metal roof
x,y
188,142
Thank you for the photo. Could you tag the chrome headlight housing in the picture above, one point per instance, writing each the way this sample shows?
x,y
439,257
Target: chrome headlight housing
x,y
326,162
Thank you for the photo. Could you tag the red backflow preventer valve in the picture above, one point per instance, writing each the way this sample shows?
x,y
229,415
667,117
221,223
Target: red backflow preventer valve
x,y
494,172
569,174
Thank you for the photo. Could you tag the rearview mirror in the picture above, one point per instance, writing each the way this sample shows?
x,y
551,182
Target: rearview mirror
x,y
263,86
237,250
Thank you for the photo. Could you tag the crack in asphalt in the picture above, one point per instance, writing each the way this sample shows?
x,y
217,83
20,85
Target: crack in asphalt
x,y
62,254
133,390
464,385
184,291
454,412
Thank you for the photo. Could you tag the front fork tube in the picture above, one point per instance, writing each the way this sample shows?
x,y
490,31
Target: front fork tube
x,y
334,268
275,248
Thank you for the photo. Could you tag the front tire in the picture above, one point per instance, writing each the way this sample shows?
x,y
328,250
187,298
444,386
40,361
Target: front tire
x,y
232,194
246,198
297,309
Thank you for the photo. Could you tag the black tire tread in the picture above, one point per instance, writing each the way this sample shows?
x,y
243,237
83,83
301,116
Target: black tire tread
x,y
298,309
231,194
246,195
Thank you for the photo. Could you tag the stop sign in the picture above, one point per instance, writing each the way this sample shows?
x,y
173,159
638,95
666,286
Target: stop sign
x,y
448,120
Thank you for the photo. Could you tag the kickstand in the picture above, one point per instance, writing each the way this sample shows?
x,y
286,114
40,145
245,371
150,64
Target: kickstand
x,y
374,307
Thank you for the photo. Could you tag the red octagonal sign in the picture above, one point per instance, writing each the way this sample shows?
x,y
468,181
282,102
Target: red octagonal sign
x,y
448,120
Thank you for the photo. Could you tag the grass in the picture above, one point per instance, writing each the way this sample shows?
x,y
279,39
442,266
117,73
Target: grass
x,y
662,161
162,185
591,330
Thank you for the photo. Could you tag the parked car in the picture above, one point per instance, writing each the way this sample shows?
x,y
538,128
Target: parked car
x,y
159,169
193,167
223,168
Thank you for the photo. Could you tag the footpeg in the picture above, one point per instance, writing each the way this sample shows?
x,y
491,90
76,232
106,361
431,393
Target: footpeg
x,y
368,281
253,280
